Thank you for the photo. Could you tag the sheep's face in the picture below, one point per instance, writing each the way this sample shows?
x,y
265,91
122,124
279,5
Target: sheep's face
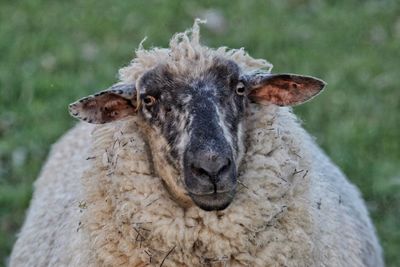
x,y
194,122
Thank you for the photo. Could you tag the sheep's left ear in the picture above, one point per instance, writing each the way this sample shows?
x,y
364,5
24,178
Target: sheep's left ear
x,y
117,102
283,89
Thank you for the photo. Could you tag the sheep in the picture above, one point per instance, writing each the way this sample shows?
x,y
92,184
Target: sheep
x,y
194,158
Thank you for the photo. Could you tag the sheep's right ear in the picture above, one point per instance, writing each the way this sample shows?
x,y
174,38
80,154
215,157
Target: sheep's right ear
x,y
117,102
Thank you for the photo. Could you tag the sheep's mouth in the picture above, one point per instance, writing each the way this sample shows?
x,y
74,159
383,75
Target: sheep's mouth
x,y
213,201
211,193
209,174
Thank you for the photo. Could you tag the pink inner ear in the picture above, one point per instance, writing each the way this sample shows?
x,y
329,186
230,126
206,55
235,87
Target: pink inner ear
x,y
286,90
270,94
114,108
91,104
102,108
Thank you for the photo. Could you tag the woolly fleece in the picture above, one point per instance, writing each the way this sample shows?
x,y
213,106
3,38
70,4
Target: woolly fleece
x,y
98,202
294,207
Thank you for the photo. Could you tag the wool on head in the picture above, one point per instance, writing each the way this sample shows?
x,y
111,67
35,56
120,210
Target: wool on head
x,y
187,56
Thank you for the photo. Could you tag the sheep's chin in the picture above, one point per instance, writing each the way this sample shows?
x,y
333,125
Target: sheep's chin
x,y
215,201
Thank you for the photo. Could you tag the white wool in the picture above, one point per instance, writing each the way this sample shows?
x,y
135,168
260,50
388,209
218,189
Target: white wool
x,y
98,202
128,217
187,56
135,200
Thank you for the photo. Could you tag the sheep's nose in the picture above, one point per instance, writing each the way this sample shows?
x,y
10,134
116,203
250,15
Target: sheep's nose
x,y
210,178
209,164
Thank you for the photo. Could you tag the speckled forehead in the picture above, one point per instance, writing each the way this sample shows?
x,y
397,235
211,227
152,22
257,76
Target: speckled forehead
x,y
168,83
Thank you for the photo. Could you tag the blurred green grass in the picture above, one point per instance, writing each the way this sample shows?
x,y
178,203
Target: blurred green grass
x,y
53,52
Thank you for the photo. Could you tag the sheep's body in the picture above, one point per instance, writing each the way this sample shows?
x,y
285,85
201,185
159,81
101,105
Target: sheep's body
x,y
50,229
293,207
98,201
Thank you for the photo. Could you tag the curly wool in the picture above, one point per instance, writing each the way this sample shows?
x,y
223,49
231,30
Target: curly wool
x,y
98,203
294,208
132,220
186,50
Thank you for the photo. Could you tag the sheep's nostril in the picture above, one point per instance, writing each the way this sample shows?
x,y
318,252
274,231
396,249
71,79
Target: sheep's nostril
x,y
225,167
210,168
198,171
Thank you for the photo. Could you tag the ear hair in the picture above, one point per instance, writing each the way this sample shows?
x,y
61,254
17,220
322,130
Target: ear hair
x,y
114,103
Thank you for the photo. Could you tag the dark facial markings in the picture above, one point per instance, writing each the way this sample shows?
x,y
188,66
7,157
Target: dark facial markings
x,y
199,118
167,115
178,100
231,104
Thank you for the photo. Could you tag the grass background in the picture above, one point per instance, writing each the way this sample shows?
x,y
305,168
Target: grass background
x,y
53,52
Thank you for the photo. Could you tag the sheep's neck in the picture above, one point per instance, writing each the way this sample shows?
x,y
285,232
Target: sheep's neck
x,y
133,219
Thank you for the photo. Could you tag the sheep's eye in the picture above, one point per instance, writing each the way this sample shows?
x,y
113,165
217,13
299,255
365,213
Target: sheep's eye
x,y
149,100
240,89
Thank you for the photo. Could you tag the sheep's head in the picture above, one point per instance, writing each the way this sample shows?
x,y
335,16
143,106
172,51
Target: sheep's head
x,y
193,118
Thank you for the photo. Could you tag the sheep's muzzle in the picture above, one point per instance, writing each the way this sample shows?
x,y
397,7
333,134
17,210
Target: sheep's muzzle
x,y
210,178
